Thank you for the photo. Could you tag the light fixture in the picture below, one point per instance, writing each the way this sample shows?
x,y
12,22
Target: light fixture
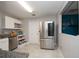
x,y
25,5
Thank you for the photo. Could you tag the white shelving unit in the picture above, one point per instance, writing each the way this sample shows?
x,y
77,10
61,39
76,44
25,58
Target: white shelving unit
x,y
21,39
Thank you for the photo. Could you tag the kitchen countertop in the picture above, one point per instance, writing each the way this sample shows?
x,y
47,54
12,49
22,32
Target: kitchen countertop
x,y
4,36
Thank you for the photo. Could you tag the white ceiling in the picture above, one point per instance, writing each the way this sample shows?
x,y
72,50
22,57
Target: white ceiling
x,y
71,8
41,8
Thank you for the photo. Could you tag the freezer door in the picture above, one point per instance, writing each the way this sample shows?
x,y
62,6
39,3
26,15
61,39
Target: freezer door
x,y
47,44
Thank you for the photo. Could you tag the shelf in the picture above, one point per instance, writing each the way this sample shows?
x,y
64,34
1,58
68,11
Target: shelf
x,y
21,42
21,39
20,35
13,28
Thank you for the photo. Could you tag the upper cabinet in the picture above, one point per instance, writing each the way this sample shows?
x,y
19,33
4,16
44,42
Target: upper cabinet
x,y
17,24
17,21
70,20
11,23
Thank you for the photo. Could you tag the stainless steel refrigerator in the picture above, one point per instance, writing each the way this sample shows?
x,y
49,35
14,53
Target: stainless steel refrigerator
x,y
47,35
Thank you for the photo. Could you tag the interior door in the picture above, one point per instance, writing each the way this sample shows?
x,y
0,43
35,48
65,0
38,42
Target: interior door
x,y
34,32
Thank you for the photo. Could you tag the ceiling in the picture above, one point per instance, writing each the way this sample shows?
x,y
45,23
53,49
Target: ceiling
x,y
71,8
41,8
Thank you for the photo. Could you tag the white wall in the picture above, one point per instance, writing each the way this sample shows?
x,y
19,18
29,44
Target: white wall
x,y
0,21
33,28
68,44
1,17
25,28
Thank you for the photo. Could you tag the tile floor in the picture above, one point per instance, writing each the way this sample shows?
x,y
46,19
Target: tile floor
x,y
35,51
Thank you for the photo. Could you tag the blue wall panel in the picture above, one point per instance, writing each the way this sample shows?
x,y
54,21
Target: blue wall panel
x,y
70,24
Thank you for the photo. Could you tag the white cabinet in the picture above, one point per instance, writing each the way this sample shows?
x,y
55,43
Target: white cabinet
x,y
17,21
4,44
9,23
17,24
